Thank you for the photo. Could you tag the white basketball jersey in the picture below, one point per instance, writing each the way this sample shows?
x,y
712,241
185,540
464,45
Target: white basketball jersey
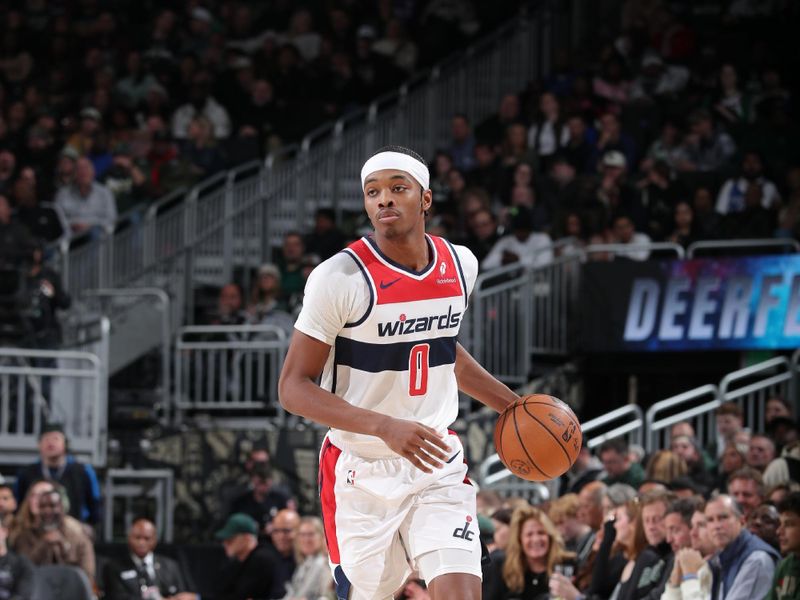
x,y
398,358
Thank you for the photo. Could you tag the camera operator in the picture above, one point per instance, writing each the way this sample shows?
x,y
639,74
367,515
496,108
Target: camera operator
x,y
45,295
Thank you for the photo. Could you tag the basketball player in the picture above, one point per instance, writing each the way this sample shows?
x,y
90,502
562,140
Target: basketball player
x,y
379,322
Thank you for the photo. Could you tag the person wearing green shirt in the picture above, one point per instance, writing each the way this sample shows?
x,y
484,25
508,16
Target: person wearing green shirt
x,y
786,583
619,468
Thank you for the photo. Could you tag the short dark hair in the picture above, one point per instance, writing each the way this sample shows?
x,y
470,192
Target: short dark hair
x,y
686,507
7,486
401,150
730,408
790,504
750,474
618,445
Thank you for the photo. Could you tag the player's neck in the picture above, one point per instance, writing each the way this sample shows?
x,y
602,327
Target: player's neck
x,y
411,251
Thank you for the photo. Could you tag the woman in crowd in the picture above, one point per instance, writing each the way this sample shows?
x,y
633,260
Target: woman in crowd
x,y
312,578
534,551
665,466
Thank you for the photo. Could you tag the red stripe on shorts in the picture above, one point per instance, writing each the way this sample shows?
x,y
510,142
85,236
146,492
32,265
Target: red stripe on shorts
x,y
327,482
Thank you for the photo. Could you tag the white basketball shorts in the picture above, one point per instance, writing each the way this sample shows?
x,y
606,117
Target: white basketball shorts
x,y
381,514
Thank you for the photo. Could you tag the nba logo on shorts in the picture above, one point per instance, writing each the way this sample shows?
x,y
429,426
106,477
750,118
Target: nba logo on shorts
x,y
351,477
442,268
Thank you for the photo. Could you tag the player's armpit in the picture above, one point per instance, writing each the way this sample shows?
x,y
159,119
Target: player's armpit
x,y
477,382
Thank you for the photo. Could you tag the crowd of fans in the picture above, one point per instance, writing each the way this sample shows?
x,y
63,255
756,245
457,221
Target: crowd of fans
x,y
720,520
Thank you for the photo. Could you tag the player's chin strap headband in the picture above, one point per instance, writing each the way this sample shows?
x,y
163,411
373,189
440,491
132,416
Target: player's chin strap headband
x,y
399,162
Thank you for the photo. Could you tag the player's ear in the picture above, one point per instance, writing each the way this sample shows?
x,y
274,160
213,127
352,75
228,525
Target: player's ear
x,y
427,200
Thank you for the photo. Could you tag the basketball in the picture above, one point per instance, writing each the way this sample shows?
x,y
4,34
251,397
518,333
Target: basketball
x,y
538,437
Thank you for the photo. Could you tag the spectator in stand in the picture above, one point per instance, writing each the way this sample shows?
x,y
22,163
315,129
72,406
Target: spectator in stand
x,y
524,196
462,144
731,104
665,466
8,504
201,103
579,148
8,170
706,218
514,149
691,575
590,509
614,194
43,221
654,562
263,500
612,138
746,563
760,452
730,421
15,239
522,245
684,231
283,533
616,555
701,470
142,573
46,295
623,232
200,149
250,571
612,85
55,538
659,196
763,522
731,196
786,581
28,512
549,132
312,578
775,407
91,123
586,469
665,148
493,129
578,537
326,239
397,46
754,221
733,458
489,172
56,465
705,148
482,233
290,264
126,178
266,295
785,468
16,571
658,82
615,456
534,550
746,486
230,307
86,204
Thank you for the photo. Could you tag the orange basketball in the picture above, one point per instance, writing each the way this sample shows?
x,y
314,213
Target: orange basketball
x,y
538,437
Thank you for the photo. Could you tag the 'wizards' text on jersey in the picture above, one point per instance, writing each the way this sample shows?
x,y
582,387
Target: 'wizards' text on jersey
x,y
397,355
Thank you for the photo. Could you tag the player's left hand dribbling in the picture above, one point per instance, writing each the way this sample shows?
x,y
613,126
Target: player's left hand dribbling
x,y
417,443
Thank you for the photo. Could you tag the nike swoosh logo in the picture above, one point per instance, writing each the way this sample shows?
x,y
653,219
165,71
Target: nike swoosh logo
x,y
391,283
452,458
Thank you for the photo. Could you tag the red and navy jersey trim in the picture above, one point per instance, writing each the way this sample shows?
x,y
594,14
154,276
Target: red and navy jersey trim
x,y
376,358
463,279
374,245
361,268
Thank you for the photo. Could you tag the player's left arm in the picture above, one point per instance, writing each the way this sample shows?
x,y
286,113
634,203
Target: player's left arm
x,y
477,382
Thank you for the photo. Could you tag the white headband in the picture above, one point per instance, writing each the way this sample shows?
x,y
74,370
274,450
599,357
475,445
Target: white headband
x,y
399,162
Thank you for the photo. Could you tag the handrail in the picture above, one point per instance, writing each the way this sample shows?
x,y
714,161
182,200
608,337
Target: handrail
x,y
653,426
635,426
744,243
627,248
166,329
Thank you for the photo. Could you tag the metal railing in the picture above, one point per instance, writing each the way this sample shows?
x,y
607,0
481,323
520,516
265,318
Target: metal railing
x,y
229,368
231,220
635,250
752,386
129,487
696,406
788,244
626,421
41,386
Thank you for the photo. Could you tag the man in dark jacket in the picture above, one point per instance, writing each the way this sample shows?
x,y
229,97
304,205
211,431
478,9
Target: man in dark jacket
x,y
56,465
143,573
250,570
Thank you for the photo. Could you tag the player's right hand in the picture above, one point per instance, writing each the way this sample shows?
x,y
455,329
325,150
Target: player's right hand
x,y
417,443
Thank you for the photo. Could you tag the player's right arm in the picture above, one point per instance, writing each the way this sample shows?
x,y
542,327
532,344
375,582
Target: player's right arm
x,y
300,395
335,295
